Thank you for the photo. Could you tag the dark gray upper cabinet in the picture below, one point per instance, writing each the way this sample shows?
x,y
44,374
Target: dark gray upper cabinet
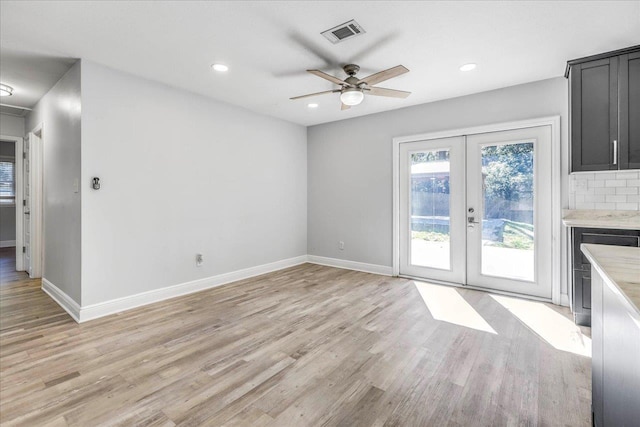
x,y
604,92
629,133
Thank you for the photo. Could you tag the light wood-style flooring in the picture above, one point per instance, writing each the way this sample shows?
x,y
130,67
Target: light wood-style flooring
x,y
306,346
8,273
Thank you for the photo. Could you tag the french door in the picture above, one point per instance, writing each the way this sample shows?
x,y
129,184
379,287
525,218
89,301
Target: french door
x,y
476,210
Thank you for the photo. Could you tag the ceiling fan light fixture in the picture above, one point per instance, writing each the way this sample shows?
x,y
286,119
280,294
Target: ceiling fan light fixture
x,y
352,96
312,105
5,90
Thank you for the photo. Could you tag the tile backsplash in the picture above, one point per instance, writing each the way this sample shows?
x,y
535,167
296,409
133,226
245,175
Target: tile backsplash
x,y
605,190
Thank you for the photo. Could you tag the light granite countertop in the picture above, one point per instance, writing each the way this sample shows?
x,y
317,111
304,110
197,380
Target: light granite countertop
x,y
619,266
623,220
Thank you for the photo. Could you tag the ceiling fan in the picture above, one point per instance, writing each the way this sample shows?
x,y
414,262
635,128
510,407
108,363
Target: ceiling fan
x,y
353,89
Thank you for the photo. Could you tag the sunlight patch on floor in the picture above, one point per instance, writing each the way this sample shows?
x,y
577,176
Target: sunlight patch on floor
x,y
551,326
447,305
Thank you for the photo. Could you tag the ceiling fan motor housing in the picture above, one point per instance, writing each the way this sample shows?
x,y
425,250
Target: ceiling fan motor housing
x,y
353,81
351,69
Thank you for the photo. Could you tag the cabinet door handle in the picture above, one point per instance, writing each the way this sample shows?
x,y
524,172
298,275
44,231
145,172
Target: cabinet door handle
x,y
615,151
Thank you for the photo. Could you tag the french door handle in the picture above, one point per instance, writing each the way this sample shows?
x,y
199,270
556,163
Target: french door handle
x,y
615,151
472,220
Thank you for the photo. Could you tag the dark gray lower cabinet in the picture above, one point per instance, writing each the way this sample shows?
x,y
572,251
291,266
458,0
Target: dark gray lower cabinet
x,y
615,333
581,289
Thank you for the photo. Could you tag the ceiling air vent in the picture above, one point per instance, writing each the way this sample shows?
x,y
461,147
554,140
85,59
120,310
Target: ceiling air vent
x,y
343,31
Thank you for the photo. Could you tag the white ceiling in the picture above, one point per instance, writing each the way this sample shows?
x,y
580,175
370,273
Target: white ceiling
x,y
268,45
30,75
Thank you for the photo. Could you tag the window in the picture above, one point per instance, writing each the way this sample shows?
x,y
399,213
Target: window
x,y
7,181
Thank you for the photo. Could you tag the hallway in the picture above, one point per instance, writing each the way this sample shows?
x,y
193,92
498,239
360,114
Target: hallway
x,y
8,273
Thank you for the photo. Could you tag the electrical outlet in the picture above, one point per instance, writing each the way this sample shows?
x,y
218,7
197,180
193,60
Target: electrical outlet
x,y
341,245
199,260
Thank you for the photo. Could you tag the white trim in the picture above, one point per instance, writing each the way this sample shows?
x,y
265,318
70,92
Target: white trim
x,y
395,264
63,300
478,288
94,311
556,211
564,300
36,205
494,127
556,184
19,242
7,243
350,265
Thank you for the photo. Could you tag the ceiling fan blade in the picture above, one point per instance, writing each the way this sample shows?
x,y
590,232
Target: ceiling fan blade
x,y
380,91
314,94
345,106
384,75
327,77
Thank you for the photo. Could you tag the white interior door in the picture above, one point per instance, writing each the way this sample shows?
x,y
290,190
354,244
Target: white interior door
x,y
509,229
33,208
432,203
26,253
476,210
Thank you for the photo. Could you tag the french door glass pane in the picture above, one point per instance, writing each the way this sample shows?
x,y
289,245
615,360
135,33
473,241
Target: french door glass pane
x,y
508,220
430,205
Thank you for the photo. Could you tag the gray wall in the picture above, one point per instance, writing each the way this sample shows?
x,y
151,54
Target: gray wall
x,y
59,112
350,168
7,149
7,213
182,174
11,125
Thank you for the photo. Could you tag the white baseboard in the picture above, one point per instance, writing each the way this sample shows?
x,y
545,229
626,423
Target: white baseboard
x,y
350,265
63,300
106,308
94,311
7,243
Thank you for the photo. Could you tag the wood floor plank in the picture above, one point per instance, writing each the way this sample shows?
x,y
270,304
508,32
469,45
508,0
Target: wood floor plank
x,y
309,345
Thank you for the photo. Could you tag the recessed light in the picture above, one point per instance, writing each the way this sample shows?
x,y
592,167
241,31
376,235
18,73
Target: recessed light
x,y
5,90
220,67
468,67
312,105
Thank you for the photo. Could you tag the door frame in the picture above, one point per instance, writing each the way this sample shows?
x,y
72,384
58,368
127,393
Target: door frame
x,y
36,208
556,184
18,144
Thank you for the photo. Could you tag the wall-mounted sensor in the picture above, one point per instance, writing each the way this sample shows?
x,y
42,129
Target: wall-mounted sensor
x,y
95,183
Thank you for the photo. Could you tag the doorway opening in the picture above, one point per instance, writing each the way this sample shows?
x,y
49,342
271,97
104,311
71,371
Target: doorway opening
x,y
11,236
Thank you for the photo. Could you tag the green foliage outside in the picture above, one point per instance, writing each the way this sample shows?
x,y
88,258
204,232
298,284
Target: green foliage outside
x,y
429,156
430,236
509,171
513,238
508,177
